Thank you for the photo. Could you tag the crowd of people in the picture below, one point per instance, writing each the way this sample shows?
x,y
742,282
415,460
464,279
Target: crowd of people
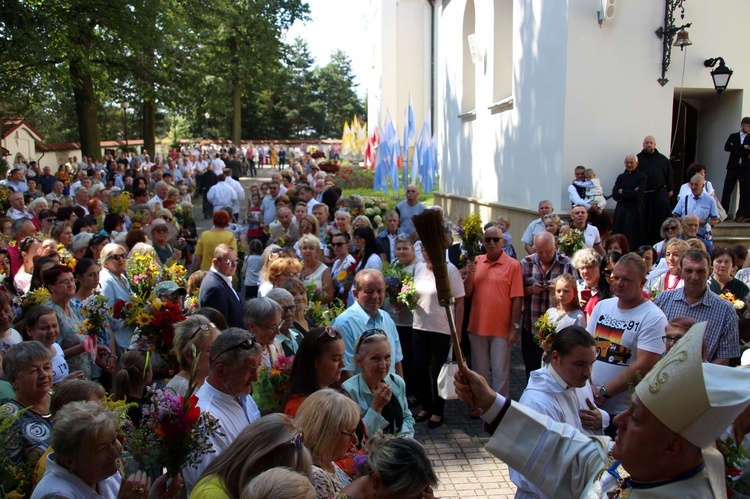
x,y
293,268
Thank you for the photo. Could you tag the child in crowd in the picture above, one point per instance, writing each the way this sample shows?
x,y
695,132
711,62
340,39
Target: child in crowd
x,y
567,310
593,186
503,223
253,265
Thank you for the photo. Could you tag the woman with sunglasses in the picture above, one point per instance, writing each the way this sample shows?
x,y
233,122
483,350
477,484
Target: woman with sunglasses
x,y
343,263
78,349
195,331
272,441
381,396
115,286
670,228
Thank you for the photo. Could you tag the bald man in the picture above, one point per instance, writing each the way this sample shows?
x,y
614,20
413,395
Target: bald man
x,y
539,270
659,188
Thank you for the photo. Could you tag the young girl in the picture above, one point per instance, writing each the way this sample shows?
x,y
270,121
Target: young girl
x,y
253,265
134,376
254,230
503,223
567,311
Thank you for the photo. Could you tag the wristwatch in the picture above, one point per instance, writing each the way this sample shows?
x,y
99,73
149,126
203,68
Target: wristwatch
x,y
603,392
516,325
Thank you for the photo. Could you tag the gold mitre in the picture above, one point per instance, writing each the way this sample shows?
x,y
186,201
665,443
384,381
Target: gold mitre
x,y
696,399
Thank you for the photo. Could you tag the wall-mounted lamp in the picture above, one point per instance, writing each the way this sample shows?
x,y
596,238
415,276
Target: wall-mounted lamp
x,y
720,75
667,33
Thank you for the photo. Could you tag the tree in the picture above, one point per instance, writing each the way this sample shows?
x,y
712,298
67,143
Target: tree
x,y
335,94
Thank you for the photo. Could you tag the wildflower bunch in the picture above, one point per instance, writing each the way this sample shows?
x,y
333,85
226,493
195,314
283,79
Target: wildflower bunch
x,y
545,330
470,232
569,241
270,388
143,273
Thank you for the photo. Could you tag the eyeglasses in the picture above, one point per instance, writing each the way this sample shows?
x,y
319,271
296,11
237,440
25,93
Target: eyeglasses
x,y
670,340
160,229
271,328
349,434
290,308
607,272
202,327
66,282
117,257
492,239
367,335
166,218
233,263
49,220
246,344
336,245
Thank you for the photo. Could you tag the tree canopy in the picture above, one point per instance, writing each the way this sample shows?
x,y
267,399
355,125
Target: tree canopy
x,y
222,72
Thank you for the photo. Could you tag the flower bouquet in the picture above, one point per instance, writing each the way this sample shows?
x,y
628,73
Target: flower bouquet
x,y
143,273
408,294
346,275
96,316
66,257
569,241
393,274
314,293
34,298
736,302
154,322
270,388
322,316
16,479
545,330
174,271
470,232
119,203
174,434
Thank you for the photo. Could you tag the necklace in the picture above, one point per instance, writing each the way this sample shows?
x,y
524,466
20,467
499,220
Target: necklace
x,y
667,287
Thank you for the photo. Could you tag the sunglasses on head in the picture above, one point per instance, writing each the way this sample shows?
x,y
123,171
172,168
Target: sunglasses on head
x,y
246,344
367,335
202,327
331,332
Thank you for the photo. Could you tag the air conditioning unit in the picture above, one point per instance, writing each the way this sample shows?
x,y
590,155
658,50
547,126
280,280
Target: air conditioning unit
x,y
607,12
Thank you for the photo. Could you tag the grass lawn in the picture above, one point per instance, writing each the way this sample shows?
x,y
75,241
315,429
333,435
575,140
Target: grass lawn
x,y
359,181
390,199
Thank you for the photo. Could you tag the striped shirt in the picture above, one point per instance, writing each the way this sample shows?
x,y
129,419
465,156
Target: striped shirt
x,y
721,337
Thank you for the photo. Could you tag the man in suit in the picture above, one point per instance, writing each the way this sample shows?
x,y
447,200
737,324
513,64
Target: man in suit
x,y
217,291
738,168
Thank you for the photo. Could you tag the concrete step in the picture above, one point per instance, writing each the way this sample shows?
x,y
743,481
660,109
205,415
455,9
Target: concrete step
x,y
728,233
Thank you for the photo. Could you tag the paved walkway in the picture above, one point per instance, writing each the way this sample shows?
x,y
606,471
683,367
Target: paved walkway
x,y
464,467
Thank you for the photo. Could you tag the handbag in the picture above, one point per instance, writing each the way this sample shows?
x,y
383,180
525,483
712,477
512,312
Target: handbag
x,y
445,387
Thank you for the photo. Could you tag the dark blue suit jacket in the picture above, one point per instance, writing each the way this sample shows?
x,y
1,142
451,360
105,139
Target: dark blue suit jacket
x,y
216,293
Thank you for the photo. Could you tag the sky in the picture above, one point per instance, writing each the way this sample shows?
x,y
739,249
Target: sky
x,y
337,24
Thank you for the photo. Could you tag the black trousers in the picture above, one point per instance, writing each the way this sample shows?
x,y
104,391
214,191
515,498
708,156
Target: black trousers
x,y
430,353
532,353
405,334
733,176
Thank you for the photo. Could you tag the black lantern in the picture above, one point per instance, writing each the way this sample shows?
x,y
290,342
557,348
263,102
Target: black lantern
x,y
720,75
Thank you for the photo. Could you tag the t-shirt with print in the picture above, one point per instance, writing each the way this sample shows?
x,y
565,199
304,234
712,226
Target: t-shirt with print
x,y
60,368
618,334
13,338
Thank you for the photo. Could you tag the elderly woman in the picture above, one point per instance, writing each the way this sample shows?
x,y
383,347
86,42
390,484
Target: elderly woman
x,y
288,337
308,224
667,274
160,233
272,441
277,272
195,331
210,239
721,280
586,262
628,192
343,221
84,460
76,346
115,286
28,368
263,319
299,294
314,272
395,467
670,228
330,421
316,366
381,396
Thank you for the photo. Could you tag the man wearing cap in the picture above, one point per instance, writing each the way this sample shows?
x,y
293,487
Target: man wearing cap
x,y
171,292
216,289
664,445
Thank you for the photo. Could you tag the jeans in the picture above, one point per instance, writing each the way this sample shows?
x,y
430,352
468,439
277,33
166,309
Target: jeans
x,y
490,357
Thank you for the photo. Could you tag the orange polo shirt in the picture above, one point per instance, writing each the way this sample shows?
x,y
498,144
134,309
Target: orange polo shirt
x,y
495,284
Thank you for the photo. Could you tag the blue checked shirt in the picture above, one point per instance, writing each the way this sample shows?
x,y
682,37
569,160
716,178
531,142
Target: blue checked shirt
x,y
722,337
535,305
